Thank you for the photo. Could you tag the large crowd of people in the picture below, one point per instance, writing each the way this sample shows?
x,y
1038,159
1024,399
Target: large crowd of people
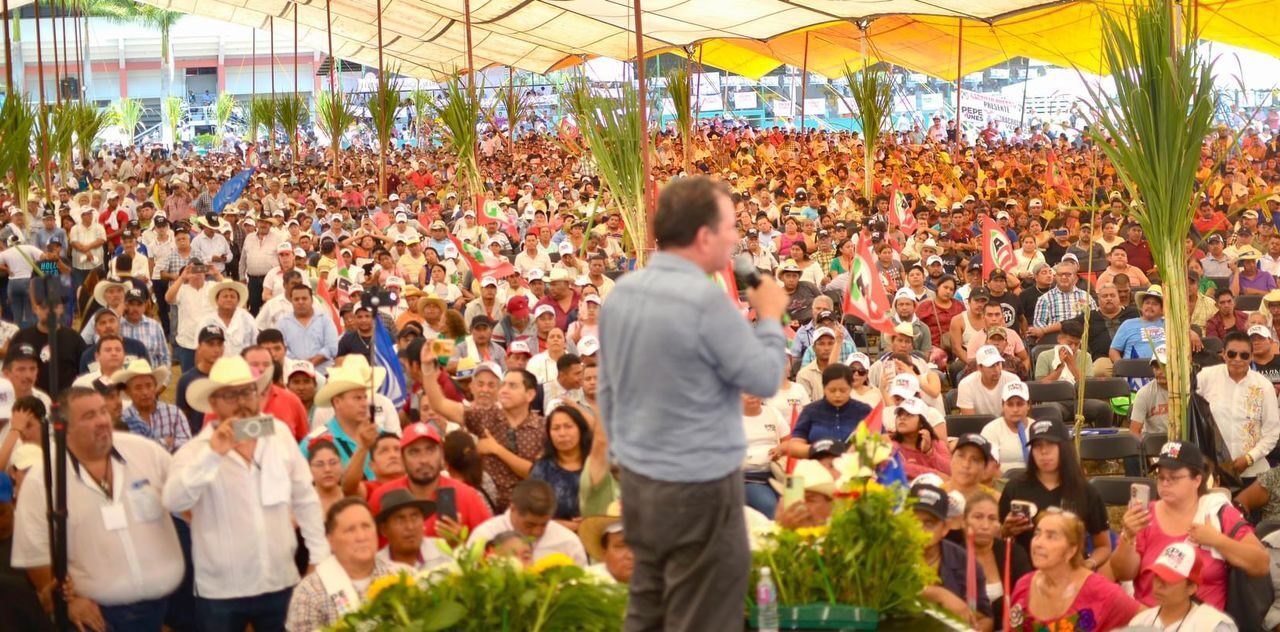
x,y
180,324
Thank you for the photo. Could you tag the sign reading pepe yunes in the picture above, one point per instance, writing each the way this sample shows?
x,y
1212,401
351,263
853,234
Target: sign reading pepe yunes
x,y
977,108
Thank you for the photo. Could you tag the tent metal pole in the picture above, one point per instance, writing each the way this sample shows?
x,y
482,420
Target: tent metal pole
x,y
253,63
471,64
643,101
697,98
955,145
511,120
804,78
272,24
57,73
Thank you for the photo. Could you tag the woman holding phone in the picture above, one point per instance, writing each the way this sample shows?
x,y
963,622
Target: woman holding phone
x,y
1054,479
982,521
1186,512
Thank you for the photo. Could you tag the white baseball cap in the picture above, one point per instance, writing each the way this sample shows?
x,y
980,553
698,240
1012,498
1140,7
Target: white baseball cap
x,y
588,346
592,298
520,346
565,248
1015,389
541,310
904,385
1260,330
488,282
299,366
1177,562
989,356
823,331
932,260
912,405
858,358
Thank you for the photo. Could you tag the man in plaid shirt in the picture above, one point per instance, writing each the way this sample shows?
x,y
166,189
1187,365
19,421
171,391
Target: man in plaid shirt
x,y
137,325
146,415
1063,302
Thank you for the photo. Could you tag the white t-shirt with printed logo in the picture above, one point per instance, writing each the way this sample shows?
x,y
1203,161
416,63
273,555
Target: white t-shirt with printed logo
x,y
764,431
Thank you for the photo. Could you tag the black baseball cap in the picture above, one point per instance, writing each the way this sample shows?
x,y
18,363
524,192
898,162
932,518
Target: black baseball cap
x,y
930,499
21,351
978,441
210,332
482,320
1181,454
1048,430
979,293
137,295
827,447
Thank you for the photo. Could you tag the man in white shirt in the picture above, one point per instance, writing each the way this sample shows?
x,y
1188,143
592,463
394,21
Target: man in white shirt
x,y
244,495
18,260
258,256
980,391
210,246
531,257
1243,403
532,504
86,238
123,551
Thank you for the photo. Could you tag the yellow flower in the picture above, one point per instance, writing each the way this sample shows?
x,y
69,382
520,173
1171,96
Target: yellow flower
x,y
551,561
382,583
812,532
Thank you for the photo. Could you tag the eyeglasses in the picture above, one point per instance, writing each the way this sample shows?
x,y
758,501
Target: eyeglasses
x,y
859,371
1169,480
1241,355
243,394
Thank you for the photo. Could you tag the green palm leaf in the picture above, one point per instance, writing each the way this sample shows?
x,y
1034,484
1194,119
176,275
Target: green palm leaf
x,y
334,115
89,123
682,101
173,109
423,106
459,116
128,113
17,129
222,110
382,105
292,113
872,93
1152,130
262,113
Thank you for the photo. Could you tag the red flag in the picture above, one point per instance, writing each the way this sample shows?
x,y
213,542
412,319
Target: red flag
x,y
875,419
866,296
322,290
1051,174
729,282
900,211
997,249
483,263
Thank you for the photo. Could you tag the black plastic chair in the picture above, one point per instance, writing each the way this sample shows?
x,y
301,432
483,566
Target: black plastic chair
x,y
1057,391
1151,444
1134,367
1212,346
1044,412
1013,473
1104,388
1249,302
1222,282
1108,447
1116,490
1267,527
1035,354
965,424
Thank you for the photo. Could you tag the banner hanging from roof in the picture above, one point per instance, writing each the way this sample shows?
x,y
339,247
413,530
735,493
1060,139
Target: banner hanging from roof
x,y
977,108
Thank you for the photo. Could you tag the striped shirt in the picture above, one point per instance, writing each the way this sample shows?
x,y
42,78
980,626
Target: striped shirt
x,y
168,426
1056,306
149,332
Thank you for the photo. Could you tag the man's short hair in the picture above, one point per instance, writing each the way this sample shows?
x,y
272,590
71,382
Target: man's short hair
x,y
1073,328
270,335
97,346
31,404
684,207
835,372
291,276
301,286
529,379
331,516
567,361
1236,336
71,394
534,497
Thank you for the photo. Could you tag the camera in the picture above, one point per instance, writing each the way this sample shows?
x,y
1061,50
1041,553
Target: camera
x,y
254,427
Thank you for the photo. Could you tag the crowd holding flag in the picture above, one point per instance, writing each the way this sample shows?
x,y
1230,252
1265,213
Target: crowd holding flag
x,y
866,297
997,249
483,263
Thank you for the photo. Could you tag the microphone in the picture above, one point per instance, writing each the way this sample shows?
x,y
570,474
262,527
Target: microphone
x,y
745,269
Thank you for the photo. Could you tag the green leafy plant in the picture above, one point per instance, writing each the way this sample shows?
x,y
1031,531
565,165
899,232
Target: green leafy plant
x,y
382,105
488,594
173,109
17,129
1152,130
128,113
423,107
682,101
613,133
516,102
205,140
459,115
871,90
334,114
292,113
262,113
61,134
222,110
89,123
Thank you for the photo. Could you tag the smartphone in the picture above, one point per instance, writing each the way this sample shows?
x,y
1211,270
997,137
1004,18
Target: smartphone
x,y
793,492
447,503
1139,495
1023,508
254,427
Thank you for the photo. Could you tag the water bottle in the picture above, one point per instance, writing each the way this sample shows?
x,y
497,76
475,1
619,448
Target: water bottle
x,y
766,602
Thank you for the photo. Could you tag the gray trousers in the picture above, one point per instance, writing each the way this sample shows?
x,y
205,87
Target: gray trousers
x,y
692,557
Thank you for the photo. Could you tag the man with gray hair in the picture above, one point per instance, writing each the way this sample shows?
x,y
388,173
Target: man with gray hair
x,y
1063,302
1104,322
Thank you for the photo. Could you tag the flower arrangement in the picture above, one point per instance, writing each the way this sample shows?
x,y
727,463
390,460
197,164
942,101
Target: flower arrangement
x,y
870,554
491,594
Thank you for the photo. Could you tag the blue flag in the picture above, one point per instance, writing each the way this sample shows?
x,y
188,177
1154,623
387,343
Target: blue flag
x,y
231,190
384,355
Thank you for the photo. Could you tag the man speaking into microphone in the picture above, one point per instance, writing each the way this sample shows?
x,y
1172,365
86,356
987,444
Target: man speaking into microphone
x,y
676,356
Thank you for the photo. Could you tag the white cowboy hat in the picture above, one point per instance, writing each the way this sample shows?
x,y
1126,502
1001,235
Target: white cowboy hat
x,y
217,224
359,365
351,376
226,372
227,284
100,290
138,368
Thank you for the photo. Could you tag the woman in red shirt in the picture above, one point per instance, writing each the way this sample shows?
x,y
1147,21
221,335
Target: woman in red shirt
x,y
936,313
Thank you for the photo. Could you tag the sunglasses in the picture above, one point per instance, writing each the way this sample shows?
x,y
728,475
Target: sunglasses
x,y
859,371
1241,355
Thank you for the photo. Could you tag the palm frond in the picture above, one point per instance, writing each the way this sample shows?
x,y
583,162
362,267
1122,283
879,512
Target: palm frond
x,y
382,105
871,90
613,132
173,109
1152,130
292,113
89,123
682,102
128,113
222,110
262,113
17,129
334,114
459,116
423,106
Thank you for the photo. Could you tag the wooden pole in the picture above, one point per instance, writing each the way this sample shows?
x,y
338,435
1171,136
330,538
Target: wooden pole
x,y
8,49
804,78
472,181
697,97
272,26
511,119
335,136
955,146
43,112
295,49
57,72
66,59
643,101
253,62
382,147
80,89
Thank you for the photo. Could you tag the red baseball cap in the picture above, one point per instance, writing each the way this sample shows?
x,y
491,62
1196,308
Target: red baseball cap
x,y
1177,562
518,306
419,431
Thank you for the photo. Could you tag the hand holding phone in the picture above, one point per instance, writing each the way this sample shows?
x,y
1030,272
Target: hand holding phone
x,y
793,492
1139,496
447,503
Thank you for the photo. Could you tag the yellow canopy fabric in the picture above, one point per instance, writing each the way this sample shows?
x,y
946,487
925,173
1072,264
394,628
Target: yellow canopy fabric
x,y
427,38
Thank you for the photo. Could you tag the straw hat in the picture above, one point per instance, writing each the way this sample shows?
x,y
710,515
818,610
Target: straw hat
x,y
227,284
341,380
100,290
593,529
138,368
359,365
227,372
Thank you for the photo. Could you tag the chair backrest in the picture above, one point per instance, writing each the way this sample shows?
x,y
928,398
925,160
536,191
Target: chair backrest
x,y
1035,354
1135,367
949,399
1151,444
1248,302
1115,490
1212,345
1104,388
1221,281
1110,446
1056,391
1013,473
965,424
1045,412
1266,527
